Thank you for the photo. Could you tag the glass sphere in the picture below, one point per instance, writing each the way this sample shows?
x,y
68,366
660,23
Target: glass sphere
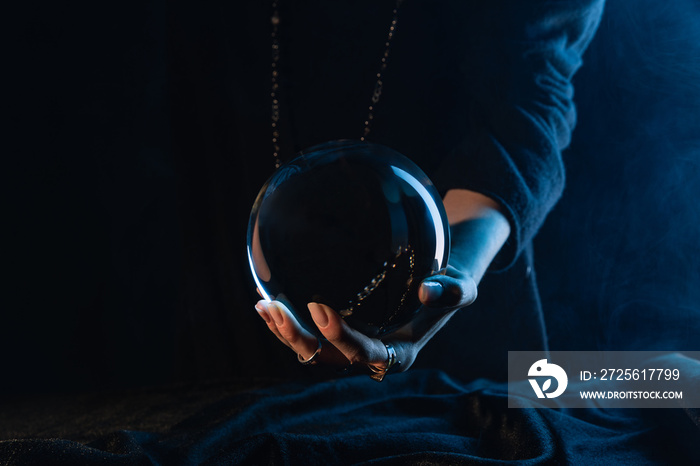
x,y
353,225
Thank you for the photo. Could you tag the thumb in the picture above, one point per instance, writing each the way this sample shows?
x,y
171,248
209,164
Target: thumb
x,y
441,291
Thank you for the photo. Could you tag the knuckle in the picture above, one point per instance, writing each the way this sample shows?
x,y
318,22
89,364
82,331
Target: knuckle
x,y
469,293
357,356
333,332
289,334
453,295
470,300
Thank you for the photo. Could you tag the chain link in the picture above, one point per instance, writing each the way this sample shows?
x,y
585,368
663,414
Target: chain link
x,y
382,68
275,108
275,114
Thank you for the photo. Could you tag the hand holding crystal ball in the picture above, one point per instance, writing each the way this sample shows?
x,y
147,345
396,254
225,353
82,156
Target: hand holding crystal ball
x,y
353,225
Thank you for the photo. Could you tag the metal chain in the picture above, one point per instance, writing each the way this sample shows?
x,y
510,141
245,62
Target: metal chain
x,y
380,83
275,85
275,108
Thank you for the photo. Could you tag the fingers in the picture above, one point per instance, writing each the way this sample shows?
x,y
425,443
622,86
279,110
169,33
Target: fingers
x,y
263,309
354,346
344,345
287,329
452,290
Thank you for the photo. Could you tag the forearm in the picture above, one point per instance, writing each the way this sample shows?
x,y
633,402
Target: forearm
x,y
478,231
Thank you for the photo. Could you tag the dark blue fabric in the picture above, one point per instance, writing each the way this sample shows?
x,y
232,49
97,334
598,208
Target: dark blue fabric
x,y
420,417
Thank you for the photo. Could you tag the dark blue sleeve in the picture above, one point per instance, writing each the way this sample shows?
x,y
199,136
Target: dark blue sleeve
x,y
522,111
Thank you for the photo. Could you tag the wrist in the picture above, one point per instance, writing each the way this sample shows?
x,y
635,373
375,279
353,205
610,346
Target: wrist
x,y
478,231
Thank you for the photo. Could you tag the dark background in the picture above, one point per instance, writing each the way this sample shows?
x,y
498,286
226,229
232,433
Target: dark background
x,y
92,213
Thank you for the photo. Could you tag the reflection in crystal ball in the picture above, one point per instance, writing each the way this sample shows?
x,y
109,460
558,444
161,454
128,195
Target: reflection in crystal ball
x,y
353,225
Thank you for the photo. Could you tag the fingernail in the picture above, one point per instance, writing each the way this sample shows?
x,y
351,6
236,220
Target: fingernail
x,y
318,314
276,314
430,291
263,314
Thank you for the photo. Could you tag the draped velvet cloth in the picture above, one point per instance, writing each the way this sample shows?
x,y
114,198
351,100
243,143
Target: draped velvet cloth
x,y
166,300
419,417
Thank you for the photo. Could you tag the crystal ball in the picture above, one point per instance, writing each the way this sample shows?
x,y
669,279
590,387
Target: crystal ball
x,y
353,225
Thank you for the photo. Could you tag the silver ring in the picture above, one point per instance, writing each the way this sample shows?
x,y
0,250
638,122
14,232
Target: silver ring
x,y
378,372
312,359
